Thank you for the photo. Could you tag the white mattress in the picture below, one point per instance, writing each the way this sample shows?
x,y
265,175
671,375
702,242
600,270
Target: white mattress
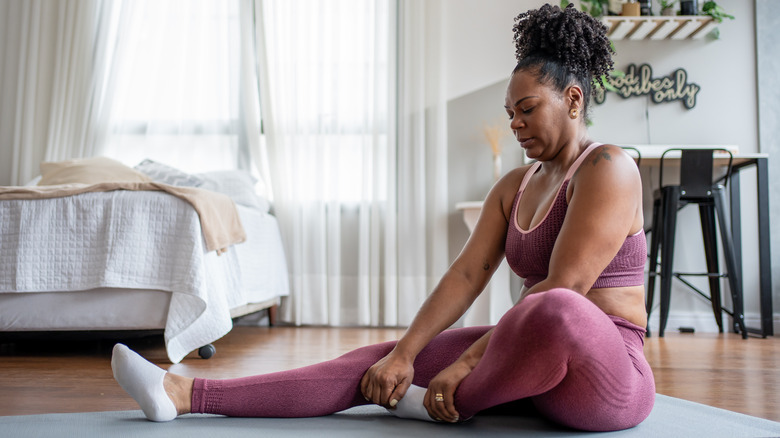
x,y
107,309
88,247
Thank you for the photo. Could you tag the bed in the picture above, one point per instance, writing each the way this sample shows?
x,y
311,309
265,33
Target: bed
x,y
135,260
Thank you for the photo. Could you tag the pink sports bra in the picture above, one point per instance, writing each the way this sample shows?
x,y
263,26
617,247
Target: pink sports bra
x,y
528,253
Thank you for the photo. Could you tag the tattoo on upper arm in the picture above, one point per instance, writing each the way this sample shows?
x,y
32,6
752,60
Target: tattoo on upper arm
x,y
603,154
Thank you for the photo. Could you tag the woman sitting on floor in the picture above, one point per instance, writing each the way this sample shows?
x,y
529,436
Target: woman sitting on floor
x,y
570,224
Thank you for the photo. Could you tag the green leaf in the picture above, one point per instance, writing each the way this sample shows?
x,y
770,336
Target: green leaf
x,y
715,11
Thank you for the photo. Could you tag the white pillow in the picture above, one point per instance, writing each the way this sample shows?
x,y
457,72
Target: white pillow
x,y
165,174
239,185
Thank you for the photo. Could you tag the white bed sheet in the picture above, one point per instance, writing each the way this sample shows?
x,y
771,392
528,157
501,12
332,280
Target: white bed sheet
x,y
137,240
261,259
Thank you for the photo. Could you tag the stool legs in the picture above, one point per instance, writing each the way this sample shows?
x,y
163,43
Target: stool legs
x,y
655,240
662,244
670,200
708,231
734,276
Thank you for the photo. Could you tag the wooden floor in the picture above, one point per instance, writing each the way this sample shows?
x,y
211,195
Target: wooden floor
x,y
55,377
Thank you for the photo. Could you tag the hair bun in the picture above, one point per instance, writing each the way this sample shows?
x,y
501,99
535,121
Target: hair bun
x,y
573,38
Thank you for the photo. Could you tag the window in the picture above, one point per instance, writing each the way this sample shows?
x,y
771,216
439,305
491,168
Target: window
x,y
330,67
177,79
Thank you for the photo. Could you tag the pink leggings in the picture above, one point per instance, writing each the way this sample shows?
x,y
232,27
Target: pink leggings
x,y
579,367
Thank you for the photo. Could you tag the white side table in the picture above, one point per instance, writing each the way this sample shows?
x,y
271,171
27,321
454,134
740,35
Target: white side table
x,y
496,299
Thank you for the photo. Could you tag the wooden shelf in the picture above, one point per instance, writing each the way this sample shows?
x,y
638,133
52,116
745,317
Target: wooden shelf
x,y
677,27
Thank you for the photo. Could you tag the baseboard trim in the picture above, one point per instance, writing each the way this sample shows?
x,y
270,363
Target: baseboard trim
x,y
703,322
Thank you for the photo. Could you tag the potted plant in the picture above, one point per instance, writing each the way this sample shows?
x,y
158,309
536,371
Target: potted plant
x,y
667,7
712,9
689,7
715,11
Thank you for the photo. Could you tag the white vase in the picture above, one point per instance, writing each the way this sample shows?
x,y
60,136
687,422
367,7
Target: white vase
x,y
496,167
616,6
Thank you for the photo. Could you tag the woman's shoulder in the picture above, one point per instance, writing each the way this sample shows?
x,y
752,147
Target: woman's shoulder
x,y
610,153
509,184
518,173
607,160
503,192
608,165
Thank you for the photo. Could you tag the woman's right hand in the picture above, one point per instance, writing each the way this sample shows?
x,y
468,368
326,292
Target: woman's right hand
x,y
391,376
387,380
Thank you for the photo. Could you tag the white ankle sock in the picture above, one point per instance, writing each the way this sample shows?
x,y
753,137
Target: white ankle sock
x,y
143,380
411,406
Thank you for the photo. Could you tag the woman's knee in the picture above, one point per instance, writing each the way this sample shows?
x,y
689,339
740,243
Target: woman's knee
x,y
552,302
546,312
558,295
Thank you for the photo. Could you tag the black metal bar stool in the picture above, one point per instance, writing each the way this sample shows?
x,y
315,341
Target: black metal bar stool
x,y
696,187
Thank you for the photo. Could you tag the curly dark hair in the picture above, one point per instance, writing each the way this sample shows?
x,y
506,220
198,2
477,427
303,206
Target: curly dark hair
x,y
565,45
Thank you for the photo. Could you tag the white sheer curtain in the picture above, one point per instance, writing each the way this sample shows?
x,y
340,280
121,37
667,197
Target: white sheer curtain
x,y
77,126
52,85
186,93
358,195
422,149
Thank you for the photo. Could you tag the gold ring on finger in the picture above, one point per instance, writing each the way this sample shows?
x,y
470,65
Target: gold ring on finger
x,y
439,397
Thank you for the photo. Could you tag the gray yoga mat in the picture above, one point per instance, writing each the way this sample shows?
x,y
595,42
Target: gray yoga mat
x,y
671,417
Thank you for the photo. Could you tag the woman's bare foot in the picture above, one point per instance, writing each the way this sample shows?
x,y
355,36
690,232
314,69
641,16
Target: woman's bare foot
x,y
179,389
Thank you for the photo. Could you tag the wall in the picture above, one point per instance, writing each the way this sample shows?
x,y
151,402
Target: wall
x,y
768,40
482,55
479,49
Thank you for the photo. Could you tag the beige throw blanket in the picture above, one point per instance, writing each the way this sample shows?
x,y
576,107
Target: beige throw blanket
x,y
218,215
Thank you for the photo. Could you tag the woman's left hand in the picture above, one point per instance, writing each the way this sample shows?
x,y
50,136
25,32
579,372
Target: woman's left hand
x,y
440,398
